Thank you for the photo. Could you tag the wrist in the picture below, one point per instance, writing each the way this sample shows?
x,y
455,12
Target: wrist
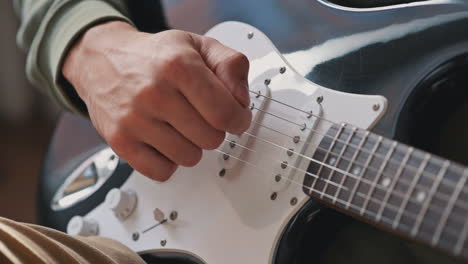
x,y
94,41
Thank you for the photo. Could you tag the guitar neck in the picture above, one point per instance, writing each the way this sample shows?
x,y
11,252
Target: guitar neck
x,y
393,186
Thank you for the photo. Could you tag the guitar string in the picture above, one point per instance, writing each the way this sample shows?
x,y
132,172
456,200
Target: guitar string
x,y
383,218
414,169
317,177
442,196
288,165
431,176
325,135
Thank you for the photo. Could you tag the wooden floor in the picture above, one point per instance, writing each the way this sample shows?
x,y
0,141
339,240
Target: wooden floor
x,y
22,148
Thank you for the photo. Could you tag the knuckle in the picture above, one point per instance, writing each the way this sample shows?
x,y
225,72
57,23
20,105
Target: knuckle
x,y
173,63
239,59
153,98
211,41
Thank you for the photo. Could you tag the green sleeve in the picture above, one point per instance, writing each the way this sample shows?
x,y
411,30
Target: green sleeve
x,y
48,29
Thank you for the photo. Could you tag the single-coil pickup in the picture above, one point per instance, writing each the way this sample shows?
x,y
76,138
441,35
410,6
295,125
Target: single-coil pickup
x,y
233,147
293,148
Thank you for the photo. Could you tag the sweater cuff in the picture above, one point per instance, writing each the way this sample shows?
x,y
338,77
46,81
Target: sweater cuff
x,y
64,29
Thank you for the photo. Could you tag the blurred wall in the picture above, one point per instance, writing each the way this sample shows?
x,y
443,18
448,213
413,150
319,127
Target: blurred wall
x,y
26,124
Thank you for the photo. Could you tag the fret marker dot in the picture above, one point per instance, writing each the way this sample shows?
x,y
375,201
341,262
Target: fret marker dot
x,y
332,161
386,182
420,197
356,170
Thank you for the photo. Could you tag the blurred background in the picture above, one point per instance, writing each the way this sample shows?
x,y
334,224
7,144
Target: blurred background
x,y
27,119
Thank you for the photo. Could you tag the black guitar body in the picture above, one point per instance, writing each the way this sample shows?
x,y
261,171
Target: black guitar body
x,y
416,55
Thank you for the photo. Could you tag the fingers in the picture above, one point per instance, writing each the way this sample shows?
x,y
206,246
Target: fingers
x,y
230,66
143,157
149,162
189,122
208,95
168,141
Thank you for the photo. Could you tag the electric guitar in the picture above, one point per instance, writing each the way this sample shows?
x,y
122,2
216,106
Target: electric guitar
x,y
308,146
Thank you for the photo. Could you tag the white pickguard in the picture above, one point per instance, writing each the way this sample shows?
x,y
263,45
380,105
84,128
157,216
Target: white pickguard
x,y
232,219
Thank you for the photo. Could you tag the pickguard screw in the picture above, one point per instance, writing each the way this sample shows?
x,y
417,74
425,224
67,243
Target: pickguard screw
x,y
222,173
309,115
225,156
376,107
267,81
320,99
293,201
282,70
303,127
290,152
278,177
273,196
173,216
258,94
232,144
296,139
284,165
135,236
163,242
252,106
250,35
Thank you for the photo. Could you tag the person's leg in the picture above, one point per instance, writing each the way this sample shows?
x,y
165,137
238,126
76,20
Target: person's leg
x,y
27,243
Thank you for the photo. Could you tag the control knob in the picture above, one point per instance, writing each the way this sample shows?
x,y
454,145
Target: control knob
x,y
79,226
121,202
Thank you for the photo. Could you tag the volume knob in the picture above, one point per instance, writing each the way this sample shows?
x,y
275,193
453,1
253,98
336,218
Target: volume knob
x,y
121,202
79,226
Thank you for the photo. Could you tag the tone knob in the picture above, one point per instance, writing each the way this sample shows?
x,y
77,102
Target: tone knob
x,y
79,226
121,202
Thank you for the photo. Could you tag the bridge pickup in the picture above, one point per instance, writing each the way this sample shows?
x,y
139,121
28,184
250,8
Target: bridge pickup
x,y
293,148
233,147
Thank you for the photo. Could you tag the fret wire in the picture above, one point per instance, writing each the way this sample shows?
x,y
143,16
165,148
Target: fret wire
x,y
461,239
384,219
421,168
351,163
366,164
440,195
343,202
378,176
448,182
332,144
394,182
407,213
450,205
267,173
338,159
435,185
366,134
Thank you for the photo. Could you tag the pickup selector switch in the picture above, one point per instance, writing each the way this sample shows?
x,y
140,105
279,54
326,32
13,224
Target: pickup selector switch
x,y
121,202
79,226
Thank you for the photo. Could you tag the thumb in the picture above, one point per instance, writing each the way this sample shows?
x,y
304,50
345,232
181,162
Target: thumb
x,y
230,66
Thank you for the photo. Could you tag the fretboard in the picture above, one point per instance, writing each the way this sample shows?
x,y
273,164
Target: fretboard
x,y
395,186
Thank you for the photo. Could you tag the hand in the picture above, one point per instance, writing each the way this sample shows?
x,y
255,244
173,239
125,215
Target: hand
x,y
159,99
